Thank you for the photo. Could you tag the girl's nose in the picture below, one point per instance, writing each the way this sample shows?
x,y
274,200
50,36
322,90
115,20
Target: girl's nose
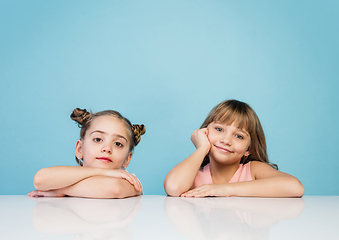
x,y
226,139
107,149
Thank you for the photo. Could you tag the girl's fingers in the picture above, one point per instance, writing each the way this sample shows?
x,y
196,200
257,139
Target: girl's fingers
x,y
200,138
205,130
137,184
127,178
31,194
132,179
196,192
35,193
50,193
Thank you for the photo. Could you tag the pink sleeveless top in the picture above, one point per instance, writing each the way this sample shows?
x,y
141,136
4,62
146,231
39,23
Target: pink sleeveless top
x,y
243,174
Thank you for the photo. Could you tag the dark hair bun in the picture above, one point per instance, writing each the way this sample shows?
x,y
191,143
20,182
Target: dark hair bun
x,y
138,130
81,116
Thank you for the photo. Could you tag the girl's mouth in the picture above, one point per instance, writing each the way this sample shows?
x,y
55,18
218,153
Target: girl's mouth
x,y
104,159
223,149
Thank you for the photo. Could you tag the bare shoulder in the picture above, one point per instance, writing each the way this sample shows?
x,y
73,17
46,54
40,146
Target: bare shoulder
x,y
260,170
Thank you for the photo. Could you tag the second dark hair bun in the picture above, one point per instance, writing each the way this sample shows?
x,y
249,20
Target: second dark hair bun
x,y
138,130
81,116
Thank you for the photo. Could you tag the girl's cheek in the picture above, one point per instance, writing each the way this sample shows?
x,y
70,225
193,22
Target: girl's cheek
x,y
209,136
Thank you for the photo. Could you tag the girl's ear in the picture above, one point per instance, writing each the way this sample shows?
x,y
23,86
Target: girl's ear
x,y
128,159
78,149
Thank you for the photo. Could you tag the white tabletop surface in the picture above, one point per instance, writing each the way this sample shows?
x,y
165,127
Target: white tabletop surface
x,y
161,217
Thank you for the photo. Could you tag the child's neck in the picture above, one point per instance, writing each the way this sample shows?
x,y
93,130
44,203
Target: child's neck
x,y
222,173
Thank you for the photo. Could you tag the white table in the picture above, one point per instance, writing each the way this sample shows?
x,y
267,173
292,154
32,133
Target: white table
x,y
161,217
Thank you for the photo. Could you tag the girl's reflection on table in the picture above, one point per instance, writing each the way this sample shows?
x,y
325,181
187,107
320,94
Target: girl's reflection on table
x,y
230,218
86,218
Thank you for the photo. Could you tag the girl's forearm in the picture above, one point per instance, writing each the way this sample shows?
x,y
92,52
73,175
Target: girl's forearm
x,y
101,187
182,176
63,176
280,186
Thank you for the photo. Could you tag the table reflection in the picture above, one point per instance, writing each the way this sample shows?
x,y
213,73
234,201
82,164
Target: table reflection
x,y
230,218
86,218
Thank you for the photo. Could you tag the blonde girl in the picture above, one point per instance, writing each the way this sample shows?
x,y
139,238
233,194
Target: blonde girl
x,y
230,159
103,152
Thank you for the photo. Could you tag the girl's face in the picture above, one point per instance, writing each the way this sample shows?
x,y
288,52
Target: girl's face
x,y
105,145
228,143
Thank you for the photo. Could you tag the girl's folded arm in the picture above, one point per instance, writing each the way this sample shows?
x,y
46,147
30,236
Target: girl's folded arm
x,y
62,176
181,178
101,187
268,183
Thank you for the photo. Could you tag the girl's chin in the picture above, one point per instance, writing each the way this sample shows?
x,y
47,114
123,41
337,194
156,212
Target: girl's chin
x,y
226,161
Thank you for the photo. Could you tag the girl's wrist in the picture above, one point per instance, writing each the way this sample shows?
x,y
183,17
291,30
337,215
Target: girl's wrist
x,y
230,190
96,171
105,172
204,150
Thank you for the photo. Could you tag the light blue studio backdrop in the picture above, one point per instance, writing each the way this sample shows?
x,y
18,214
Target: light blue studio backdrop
x,y
166,64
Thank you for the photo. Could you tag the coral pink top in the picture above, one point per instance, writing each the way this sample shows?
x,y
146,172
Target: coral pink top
x,y
243,174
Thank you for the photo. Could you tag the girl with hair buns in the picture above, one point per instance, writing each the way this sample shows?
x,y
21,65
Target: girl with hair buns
x,y
230,159
104,150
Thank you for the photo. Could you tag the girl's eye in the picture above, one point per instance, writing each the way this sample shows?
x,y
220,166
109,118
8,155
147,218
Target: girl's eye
x,y
119,144
239,136
97,140
218,129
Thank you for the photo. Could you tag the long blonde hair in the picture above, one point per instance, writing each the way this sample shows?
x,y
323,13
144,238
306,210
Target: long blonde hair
x,y
230,111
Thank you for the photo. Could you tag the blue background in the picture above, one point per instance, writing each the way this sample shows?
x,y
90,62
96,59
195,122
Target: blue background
x,y
166,64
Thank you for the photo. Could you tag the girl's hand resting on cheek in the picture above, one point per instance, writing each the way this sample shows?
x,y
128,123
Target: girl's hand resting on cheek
x,y
207,190
200,139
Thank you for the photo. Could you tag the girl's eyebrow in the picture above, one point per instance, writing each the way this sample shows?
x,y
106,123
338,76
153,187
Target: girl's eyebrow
x,y
102,132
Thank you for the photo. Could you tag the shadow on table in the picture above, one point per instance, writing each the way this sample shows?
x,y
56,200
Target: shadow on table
x,y
230,218
86,218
